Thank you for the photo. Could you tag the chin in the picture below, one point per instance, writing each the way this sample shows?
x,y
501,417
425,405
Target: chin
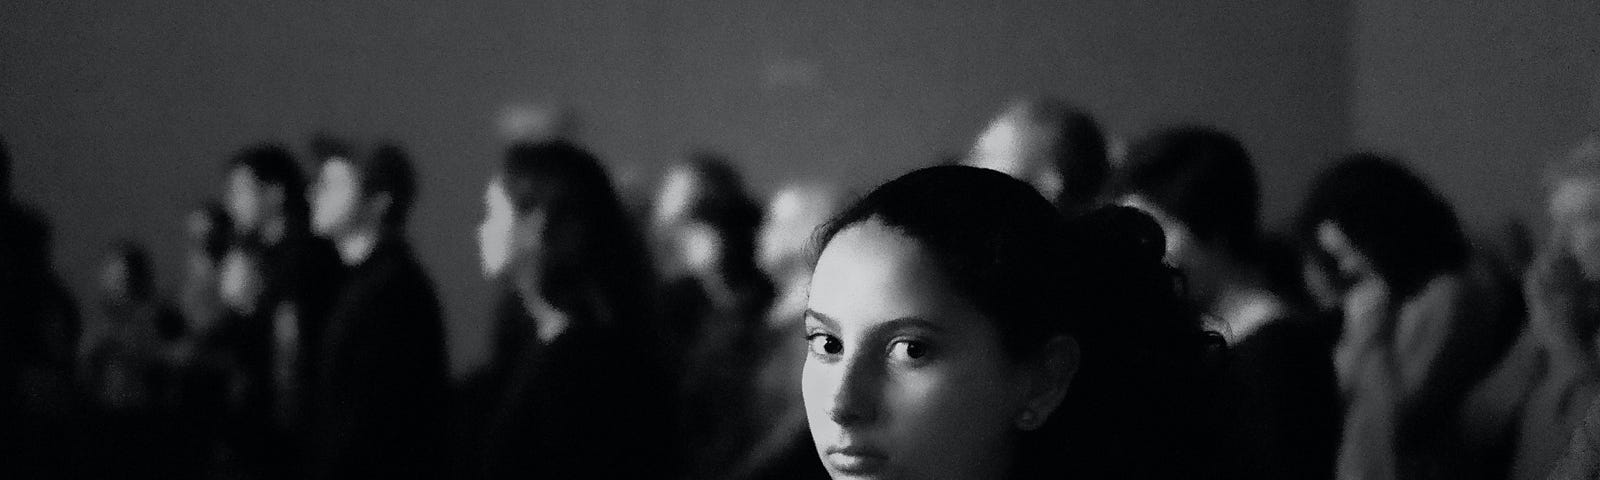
x,y
490,271
321,227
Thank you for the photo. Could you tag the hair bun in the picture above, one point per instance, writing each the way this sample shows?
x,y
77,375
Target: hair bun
x,y
1125,235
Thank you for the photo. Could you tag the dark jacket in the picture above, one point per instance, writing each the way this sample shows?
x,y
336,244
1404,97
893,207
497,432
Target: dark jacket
x,y
593,403
380,385
303,275
1282,414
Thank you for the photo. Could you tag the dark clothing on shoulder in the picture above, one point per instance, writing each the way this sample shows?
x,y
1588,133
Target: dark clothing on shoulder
x,y
1281,402
306,271
39,330
303,273
721,357
593,403
378,404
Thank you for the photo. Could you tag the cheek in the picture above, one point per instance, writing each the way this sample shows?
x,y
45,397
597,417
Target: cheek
x,y
818,381
950,419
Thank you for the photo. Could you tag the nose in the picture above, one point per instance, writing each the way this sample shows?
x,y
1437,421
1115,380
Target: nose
x,y
857,393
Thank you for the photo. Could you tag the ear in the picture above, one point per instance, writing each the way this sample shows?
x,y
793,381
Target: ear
x,y
1050,376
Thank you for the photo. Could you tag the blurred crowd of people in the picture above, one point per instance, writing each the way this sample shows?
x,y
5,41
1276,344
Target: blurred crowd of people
x,y
1372,338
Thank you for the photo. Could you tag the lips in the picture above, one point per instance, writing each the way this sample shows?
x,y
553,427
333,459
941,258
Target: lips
x,y
856,459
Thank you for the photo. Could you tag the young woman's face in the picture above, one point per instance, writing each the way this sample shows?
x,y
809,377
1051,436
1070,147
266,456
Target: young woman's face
x,y
904,378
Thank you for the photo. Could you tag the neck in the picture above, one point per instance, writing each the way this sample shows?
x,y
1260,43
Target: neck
x,y
549,322
355,247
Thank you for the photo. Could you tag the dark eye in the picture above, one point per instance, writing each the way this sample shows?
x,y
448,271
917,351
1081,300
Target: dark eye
x,y
908,350
824,344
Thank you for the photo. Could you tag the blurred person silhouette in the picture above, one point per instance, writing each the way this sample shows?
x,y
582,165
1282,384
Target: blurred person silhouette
x,y
1053,145
781,445
301,273
223,365
1200,185
1525,412
589,395
39,332
207,232
124,367
1421,318
379,390
714,299
121,356
959,327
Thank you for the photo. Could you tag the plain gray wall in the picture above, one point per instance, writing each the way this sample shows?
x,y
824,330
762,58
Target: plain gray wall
x,y
1480,96
121,113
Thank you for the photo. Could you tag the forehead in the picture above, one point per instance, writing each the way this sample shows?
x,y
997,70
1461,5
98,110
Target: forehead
x,y
241,174
870,273
338,170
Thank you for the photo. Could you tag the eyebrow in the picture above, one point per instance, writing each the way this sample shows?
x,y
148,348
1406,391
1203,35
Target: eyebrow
x,y
912,322
826,321
895,324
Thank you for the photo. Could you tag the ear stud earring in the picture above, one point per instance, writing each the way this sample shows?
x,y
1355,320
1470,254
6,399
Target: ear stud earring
x,y
1028,420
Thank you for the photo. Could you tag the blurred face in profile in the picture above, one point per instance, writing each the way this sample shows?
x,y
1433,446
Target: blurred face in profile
x,y
1017,148
794,213
244,200
494,233
904,377
115,280
240,279
700,247
504,236
1575,208
678,191
335,206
